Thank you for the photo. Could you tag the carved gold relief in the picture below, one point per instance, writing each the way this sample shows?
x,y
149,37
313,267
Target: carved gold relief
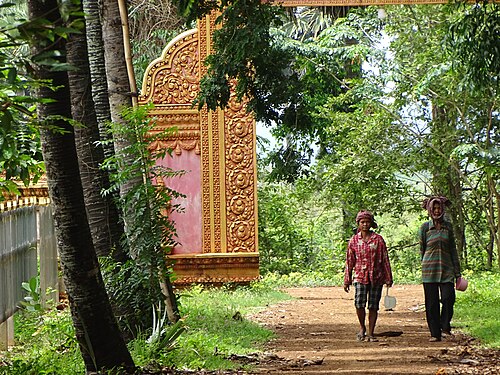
x,y
240,177
174,78
241,205
180,120
216,180
176,145
239,154
205,186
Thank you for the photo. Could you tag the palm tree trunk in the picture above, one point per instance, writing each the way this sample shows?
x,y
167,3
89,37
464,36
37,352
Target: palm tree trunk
x,y
102,212
98,335
120,96
95,46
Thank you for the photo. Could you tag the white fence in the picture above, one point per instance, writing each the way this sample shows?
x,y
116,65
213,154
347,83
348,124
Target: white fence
x,y
27,246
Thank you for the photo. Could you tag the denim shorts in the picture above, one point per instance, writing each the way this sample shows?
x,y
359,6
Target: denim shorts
x,y
364,292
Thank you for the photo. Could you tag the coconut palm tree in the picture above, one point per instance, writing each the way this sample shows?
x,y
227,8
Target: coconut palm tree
x,y
101,343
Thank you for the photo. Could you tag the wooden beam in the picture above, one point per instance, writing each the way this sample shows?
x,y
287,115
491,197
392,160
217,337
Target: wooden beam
x,y
339,3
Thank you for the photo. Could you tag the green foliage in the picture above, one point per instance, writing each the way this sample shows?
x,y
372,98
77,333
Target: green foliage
x,y
48,32
150,232
32,301
133,291
246,56
20,156
296,234
217,327
476,309
473,41
400,234
303,242
162,339
45,344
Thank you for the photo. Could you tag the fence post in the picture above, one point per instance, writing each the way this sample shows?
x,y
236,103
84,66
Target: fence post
x,y
7,333
47,255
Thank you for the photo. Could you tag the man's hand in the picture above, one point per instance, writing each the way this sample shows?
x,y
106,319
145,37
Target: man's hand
x,y
346,288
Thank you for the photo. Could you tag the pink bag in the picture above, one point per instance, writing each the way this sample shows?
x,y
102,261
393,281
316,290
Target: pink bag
x,y
461,284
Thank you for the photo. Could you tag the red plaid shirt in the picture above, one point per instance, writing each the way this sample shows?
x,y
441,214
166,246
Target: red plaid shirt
x,y
369,260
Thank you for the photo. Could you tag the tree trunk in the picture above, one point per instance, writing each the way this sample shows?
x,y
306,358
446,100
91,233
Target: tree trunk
x,y
457,210
445,175
116,68
118,87
494,217
120,96
97,65
97,332
102,212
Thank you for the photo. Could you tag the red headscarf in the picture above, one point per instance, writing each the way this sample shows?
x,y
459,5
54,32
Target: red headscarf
x,y
428,203
363,214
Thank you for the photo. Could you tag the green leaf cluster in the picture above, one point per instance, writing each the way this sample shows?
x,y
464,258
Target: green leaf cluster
x,y
151,232
473,41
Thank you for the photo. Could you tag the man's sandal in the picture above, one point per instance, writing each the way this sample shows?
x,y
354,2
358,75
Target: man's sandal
x,y
360,336
371,339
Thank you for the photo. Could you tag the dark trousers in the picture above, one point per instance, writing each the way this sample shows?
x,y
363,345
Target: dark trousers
x,y
439,319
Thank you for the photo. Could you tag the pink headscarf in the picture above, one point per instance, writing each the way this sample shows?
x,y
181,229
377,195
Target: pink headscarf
x,y
428,203
363,214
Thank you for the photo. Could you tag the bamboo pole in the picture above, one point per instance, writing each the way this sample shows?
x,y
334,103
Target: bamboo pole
x,y
128,51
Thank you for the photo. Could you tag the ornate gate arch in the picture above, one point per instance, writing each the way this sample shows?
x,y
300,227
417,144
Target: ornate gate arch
x,y
218,230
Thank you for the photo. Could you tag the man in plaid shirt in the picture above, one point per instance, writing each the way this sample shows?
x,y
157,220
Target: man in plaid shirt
x,y
367,255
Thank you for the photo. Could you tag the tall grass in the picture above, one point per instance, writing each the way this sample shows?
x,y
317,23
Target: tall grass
x,y
217,327
477,309
45,344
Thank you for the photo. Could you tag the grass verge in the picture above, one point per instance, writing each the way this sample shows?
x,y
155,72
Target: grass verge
x,y
216,327
476,309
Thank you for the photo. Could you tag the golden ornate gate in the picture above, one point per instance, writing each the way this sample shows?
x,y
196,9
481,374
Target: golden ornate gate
x,y
218,230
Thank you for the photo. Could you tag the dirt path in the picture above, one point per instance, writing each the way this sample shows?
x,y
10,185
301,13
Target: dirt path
x,y
316,334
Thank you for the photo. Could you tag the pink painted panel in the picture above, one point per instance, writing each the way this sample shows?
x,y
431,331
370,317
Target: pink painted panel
x,y
187,223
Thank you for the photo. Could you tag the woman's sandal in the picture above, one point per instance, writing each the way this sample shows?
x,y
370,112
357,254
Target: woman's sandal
x,y
371,339
360,336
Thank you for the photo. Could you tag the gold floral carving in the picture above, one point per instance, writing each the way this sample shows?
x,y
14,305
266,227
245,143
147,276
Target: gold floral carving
x,y
240,177
211,163
216,194
173,79
176,145
187,281
205,184
216,269
182,121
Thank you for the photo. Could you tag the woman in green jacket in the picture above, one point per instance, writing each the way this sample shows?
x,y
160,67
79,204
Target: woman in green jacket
x,y
440,267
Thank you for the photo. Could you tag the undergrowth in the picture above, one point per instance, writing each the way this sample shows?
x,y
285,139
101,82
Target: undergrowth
x,y
215,325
